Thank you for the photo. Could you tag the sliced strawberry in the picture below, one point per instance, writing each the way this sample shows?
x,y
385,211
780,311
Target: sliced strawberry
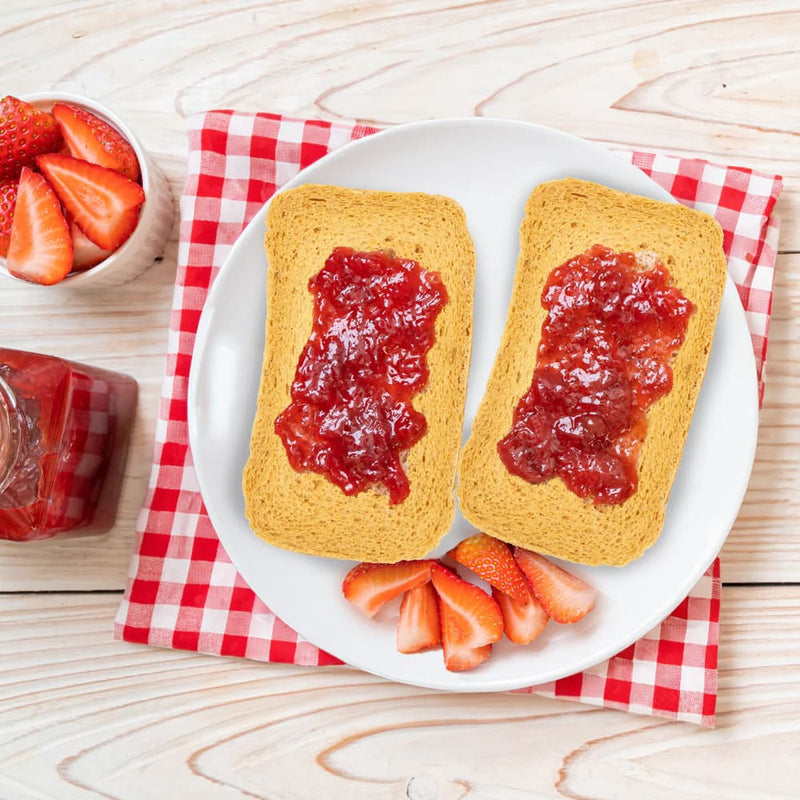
x,y
103,203
87,253
90,138
25,132
40,249
458,658
369,586
492,560
8,197
470,618
564,597
522,622
459,654
418,628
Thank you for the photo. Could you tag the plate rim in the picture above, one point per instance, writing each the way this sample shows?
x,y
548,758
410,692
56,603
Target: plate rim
x,y
201,340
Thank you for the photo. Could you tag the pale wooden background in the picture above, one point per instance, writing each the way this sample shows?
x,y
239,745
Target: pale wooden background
x,y
83,717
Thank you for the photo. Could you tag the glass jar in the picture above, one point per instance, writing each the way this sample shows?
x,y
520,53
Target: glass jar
x,y
64,433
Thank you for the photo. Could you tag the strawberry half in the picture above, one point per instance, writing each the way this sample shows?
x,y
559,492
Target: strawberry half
x,y
8,197
40,249
492,560
522,622
369,586
87,253
104,204
25,132
470,618
90,138
418,628
564,597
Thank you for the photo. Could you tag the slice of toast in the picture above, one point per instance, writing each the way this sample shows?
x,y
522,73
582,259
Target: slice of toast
x,y
562,219
304,511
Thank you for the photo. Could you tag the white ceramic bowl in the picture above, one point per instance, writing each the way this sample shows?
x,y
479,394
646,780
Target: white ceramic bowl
x,y
148,240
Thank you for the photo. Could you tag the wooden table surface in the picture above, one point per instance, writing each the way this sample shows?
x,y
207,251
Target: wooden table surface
x,y
82,716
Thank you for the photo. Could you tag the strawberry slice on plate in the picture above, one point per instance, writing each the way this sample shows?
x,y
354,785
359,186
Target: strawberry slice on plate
x,y
522,622
470,620
90,138
368,586
470,617
25,132
563,596
8,197
492,560
40,249
87,253
104,204
418,628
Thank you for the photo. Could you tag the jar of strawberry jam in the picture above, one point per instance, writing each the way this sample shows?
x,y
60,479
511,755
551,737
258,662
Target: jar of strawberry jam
x,y
64,431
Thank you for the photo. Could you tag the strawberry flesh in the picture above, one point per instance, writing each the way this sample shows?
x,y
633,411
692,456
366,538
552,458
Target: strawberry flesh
x,y
458,658
418,627
492,560
563,596
40,249
25,133
368,586
90,138
87,253
522,622
8,198
470,618
104,204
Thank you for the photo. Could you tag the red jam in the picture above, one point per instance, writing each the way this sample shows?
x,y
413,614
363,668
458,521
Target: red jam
x,y
64,430
604,358
351,417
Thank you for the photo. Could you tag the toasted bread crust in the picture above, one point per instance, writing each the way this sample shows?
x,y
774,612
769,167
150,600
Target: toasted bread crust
x,y
564,218
304,511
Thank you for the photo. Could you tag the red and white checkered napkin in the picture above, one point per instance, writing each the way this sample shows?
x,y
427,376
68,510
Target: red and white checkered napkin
x,y
183,591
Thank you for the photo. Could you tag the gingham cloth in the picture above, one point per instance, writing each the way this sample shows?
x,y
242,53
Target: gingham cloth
x,y
184,592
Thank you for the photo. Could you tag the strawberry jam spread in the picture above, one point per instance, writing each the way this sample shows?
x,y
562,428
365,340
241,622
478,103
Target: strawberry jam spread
x,y
351,417
604,357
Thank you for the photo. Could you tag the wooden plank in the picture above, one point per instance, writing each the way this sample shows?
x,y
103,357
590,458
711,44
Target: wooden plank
x,y
711,79
82,716
716,79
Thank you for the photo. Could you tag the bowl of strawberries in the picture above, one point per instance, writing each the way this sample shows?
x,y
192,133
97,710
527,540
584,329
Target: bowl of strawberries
x,y
81,201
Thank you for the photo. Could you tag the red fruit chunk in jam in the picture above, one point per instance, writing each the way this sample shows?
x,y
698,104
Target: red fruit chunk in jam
x,y
604,358
351,417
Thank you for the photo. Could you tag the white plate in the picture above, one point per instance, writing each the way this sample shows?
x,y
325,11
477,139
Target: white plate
x,y
489,167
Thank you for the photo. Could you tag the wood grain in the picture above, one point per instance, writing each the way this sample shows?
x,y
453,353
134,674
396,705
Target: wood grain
x,y
82,716
718,79
662,75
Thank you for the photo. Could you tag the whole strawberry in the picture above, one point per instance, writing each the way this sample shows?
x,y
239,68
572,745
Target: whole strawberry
x,y
25,132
